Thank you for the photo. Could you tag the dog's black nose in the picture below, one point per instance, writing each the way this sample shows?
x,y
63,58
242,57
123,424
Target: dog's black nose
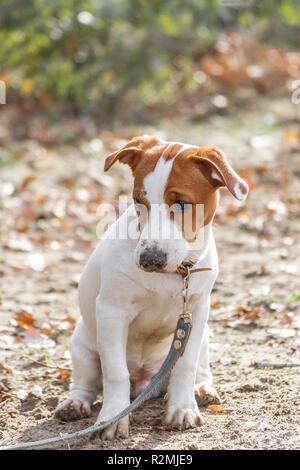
x,y
153,259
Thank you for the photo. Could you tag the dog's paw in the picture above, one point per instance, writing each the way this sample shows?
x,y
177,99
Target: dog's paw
x,y
206,394
114,431
183,418
71,409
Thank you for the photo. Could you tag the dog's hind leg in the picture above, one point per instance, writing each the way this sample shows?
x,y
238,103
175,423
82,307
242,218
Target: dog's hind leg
x,y
204,390
86,377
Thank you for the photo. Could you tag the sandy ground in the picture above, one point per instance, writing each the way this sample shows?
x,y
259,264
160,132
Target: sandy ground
x,y
255,315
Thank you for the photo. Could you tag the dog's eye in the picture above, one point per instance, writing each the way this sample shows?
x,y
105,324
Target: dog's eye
x,y
182,205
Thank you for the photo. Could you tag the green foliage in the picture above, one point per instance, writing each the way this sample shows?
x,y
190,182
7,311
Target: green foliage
x,y
102,54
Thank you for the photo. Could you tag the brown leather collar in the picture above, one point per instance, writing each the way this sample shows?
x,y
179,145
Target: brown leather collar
x,y
185,268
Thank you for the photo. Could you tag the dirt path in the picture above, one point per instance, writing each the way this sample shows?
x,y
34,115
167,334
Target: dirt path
x,y
48,221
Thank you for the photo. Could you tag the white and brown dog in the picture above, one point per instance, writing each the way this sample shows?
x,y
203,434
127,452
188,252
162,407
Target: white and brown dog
x,y
130,295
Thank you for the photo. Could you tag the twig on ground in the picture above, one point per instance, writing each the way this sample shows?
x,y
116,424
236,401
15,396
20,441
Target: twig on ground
x,y
273,365
40,363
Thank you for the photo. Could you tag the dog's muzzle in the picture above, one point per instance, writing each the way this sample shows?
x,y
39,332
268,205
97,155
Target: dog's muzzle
x,y
152,259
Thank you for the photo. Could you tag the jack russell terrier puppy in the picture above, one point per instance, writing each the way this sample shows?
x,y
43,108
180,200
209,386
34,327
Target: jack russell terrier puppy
x,y
130,295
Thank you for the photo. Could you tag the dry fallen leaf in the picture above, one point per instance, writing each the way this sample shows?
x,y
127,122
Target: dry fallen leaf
x,y
262,270
45,330
24,319
64,374
70,319
26,331
27,180
253,313
249,313
164,428
291,137
287,319
16,267
2,367
218,409
241,308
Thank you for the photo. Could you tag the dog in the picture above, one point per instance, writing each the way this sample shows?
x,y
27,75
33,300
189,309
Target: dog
x,y
130,294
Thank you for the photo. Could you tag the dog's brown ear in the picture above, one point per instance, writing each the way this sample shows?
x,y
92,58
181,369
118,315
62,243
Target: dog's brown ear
x,y
124,155
215,167
131,152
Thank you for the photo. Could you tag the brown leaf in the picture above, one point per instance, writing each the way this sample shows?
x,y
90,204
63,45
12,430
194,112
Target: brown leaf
x,y
24,319
291,137
2,367
287,319
70,319
164,428
64,374
248,312
218,409
45,331
27,180
253,313
241,308
262,270
17,267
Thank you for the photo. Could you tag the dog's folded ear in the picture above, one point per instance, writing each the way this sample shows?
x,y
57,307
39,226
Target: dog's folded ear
x,y
215,167
124,155
131,152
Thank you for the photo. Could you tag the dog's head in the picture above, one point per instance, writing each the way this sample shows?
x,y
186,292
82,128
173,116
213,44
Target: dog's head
x,y
175,196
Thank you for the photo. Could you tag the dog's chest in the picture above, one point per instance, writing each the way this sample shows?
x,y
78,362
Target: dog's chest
x,y
157,315
151,331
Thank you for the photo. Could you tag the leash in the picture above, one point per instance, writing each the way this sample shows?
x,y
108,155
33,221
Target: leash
x,y
180,339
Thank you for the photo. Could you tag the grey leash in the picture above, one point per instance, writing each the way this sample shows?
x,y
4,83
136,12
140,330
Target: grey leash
x,y
180,339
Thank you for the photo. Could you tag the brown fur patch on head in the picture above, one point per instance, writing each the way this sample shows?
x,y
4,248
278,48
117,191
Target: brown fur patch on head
x,y
214,165
132,152
186,183
141,154
196,175
194,179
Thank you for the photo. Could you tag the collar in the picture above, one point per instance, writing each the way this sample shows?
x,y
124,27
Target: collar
x,y
186,268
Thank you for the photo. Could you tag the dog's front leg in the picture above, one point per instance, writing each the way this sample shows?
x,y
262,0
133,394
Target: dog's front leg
x,y
182,409
204,390
112,331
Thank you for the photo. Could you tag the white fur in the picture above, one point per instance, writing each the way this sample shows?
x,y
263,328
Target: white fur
x,y
238,193
160,231
216,176
128,317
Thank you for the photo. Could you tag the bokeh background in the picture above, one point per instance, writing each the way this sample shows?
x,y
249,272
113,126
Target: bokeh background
x,y
133,59
83,77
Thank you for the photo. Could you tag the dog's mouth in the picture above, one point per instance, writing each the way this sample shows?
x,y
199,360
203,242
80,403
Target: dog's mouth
x,y
157,260
165,269
152,269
